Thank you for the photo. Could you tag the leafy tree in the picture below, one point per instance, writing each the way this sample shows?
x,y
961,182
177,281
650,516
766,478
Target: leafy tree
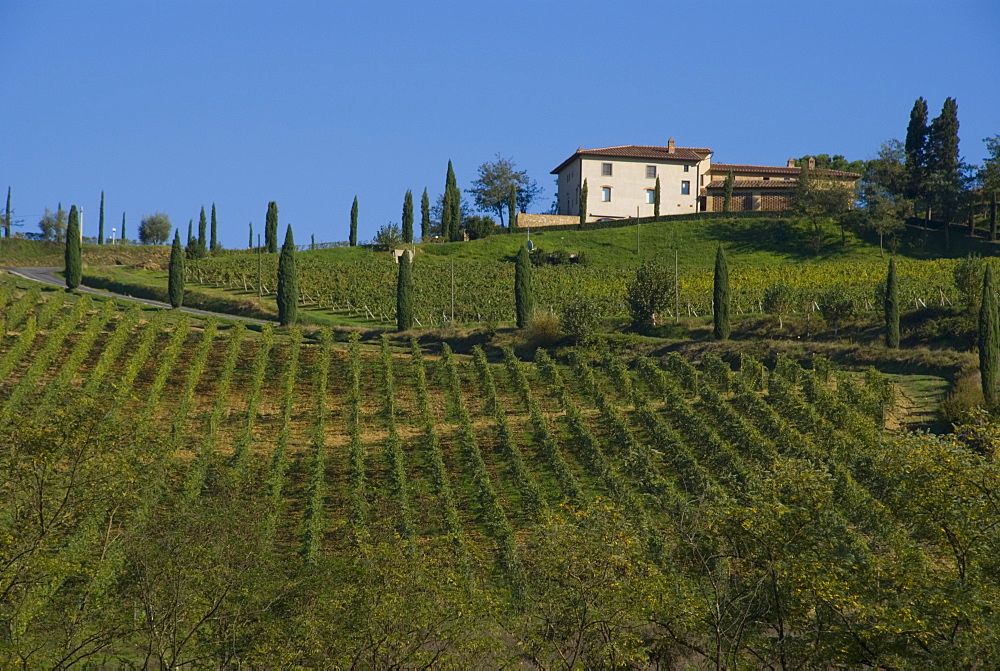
x,y
578,319
175,275
649,293
404,293
491,189
993,216
271,228
989,341
425,216
53,224
656,197
583,203
203,230
74,258
215,246
408,217
100,225
727,192
883,187
891,307
720,303
523,299
819,201
388,237
778,300
288,282
154,229
353,235
837,305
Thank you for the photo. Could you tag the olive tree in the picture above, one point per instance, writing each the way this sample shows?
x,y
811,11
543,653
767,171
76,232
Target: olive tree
x,y
154,229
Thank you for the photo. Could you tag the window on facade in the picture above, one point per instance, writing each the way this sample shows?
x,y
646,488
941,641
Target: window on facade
x,y
651,172
606,169
606,194
685,188
687,168
650,196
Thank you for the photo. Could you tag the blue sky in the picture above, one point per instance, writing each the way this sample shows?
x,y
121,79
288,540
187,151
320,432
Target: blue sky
x,y
171,105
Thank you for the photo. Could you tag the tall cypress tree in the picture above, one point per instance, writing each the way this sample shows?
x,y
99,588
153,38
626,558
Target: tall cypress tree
x,y
271,228
288,282
720,308
583,204
425,216
250,242
447,210
943,162
203,229
214,244
892,307
73,252
6,221
192,241
175,276
123,229
454,206
523,299
916,151
511,208
100,225
989,341
727,192
353,237
656,197
408,217
404,293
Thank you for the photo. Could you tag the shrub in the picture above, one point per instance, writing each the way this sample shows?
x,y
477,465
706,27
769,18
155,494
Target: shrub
x,y
968,274
649,293
836,306
778,301
578,319
542,330
388,237
480,227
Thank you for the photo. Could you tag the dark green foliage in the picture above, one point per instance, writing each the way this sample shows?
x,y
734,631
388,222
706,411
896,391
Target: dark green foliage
x,y
353,234
778,300
523,300
721,328
124,238
404,293
892,307
175,275
727,197
194,249
656,197
271,228
214,244
288,282
74,257
993,216
583,204
388,238
408,217
100,225
451,208
6,220
480,227
203,229
250,240
425,216
989,341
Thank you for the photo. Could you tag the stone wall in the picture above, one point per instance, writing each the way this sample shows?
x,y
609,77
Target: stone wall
x,y
525,220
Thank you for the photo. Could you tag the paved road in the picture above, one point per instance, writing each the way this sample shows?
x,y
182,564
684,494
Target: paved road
x,y
51,276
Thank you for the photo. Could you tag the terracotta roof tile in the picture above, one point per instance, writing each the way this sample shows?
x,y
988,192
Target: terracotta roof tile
x,y
753,184
723,168
641,151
